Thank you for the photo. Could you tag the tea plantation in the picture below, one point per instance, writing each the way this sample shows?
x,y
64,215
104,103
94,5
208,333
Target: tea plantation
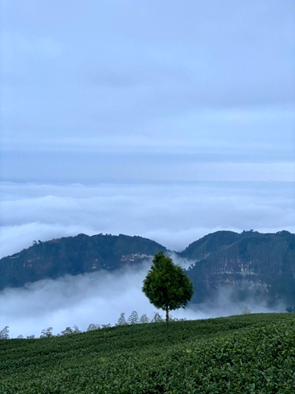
x,y
252,353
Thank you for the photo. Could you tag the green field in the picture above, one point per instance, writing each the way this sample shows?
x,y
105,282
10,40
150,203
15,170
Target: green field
x,y
252,353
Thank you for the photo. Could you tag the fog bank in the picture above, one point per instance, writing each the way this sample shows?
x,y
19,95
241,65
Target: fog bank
x,y
173,214
97,298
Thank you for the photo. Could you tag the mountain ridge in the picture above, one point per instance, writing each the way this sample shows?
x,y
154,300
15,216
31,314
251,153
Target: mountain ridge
x,y
258,265
249,263
74,255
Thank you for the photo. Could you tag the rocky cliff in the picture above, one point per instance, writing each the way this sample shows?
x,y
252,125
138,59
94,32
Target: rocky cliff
x,y
250,264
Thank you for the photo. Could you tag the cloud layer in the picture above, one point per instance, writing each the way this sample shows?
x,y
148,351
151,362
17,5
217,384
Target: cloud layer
x,y
97,298
173,214
92,93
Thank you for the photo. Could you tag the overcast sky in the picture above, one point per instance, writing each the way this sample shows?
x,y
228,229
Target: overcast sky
x,y
141,105
147,91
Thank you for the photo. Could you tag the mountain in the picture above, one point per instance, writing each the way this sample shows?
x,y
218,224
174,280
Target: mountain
x,y
202,248
247,264
74,255
250,264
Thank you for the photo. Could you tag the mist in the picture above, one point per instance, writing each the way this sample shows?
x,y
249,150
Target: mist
x,y
173,214
98,298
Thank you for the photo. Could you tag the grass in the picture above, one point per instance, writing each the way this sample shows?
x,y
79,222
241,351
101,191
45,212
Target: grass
x,y
252,353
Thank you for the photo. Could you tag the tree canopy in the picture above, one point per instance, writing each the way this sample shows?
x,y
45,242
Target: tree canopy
x,y
166,285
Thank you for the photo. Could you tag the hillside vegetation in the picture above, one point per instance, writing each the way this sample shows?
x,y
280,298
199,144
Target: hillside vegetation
x,y
73,256
238,354
249,264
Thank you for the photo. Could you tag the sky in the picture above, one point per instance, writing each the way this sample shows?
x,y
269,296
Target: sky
x,y
164,119
147,91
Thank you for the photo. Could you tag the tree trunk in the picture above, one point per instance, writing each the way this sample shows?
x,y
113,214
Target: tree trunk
x,y
167,315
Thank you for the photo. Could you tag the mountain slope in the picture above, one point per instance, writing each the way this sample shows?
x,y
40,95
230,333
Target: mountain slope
x,y
74,255
257,265
203,247
250,264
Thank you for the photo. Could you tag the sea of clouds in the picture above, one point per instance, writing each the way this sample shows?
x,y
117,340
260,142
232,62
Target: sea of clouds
x,y
171,214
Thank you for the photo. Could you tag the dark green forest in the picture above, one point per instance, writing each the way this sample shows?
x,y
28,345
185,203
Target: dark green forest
x,y
250,264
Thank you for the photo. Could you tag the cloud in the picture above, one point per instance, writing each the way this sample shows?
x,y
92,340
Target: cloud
x,y
82,72
247,144
91,298
207,94
97,298
205,132
173,214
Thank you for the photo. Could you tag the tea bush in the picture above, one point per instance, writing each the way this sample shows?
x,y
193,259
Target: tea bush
x,y
252,353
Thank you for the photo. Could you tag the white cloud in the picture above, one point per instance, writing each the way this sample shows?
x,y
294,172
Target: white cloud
x,y
174,214
97,298
204,75
91,298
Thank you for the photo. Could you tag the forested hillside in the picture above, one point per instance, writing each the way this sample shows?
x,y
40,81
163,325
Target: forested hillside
x,y
74,255
251,264
248,264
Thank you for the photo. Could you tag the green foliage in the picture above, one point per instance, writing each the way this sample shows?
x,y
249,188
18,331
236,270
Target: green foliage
x,y
74,255
106,325
251,264
262,265
208,244
240,354
166,285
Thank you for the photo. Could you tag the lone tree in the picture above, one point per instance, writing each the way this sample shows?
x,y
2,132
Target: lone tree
x,y
166,285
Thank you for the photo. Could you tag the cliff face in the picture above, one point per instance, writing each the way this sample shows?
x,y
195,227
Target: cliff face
x,y
258,265
74,255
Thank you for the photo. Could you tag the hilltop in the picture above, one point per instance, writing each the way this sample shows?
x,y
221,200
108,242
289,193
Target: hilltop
x,y
73,256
